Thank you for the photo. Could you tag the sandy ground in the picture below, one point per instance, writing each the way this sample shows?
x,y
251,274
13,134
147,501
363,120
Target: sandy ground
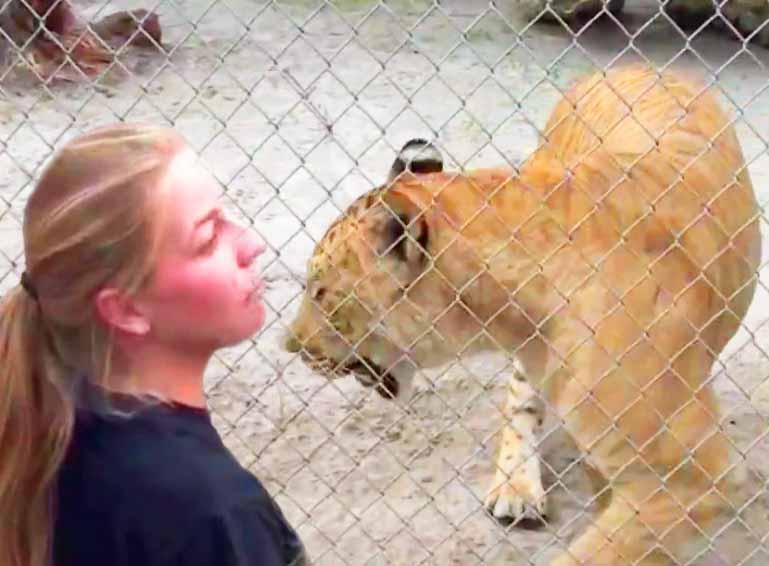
x,y
297,113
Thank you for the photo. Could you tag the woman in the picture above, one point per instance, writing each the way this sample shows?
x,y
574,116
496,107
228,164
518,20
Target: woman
x,y
134,278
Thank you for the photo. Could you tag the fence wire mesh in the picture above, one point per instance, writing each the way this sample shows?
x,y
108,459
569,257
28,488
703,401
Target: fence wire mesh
x,y
301,107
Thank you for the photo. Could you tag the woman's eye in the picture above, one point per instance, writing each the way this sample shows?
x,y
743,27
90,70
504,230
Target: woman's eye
x,y
211,242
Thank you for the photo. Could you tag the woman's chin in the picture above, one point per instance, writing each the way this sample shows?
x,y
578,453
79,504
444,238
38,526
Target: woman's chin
x,y
256,321
246,330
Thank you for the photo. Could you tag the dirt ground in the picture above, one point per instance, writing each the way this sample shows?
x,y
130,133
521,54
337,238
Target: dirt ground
x,y
297,111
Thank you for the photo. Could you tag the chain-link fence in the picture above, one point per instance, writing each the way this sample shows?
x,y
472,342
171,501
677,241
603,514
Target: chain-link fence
x,y
300,107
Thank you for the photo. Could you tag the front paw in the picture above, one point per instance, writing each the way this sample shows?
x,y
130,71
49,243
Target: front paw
x,y
517,501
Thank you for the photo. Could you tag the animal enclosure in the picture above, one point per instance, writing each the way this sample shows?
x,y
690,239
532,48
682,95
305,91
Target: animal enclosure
x,y
299,107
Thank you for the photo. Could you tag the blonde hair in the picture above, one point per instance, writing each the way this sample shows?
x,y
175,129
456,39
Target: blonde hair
x,y
93,218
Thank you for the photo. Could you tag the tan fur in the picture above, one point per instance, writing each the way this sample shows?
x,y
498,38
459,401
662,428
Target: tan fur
x,y
616,266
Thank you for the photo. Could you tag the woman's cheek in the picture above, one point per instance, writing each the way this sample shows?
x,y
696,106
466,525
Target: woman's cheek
x,y
207,292
198,288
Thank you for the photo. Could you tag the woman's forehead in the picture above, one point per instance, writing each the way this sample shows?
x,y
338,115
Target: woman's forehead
x,y
191,192
190,185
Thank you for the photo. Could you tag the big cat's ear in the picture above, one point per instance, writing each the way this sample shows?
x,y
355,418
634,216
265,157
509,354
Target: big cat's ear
x,y
405,229
418,156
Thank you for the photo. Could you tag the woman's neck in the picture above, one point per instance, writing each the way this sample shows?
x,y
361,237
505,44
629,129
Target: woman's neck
x,y
171,375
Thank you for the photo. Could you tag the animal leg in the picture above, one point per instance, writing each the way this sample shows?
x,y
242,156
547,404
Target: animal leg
x,y
649,427
517,495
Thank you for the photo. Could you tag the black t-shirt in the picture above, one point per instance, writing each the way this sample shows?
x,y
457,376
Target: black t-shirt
x,y
159,488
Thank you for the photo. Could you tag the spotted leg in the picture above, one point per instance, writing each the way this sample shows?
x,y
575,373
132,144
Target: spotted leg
x,y
517,495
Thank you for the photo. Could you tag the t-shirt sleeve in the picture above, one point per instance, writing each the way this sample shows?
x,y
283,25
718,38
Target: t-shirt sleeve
x,y
240,537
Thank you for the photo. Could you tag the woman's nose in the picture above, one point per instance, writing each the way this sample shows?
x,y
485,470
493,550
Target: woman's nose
x,y
250,247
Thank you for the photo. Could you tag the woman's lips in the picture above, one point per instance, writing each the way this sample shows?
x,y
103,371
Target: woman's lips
x,y
257,292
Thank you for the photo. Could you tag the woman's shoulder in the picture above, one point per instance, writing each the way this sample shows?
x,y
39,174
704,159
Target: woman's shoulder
x,y
166,475
158,454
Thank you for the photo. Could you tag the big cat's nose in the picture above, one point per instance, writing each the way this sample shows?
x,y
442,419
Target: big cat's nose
x,y
291,343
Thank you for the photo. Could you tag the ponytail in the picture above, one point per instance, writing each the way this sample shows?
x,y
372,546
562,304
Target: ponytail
x,y
48,331
36,419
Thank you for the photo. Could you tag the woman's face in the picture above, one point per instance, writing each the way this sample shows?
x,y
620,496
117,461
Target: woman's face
x,y
205,293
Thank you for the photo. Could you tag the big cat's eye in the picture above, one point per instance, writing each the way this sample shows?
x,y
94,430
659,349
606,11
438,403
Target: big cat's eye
x,y
319,293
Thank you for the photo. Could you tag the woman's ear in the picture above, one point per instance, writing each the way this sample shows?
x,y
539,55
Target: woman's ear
x,y
120,312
